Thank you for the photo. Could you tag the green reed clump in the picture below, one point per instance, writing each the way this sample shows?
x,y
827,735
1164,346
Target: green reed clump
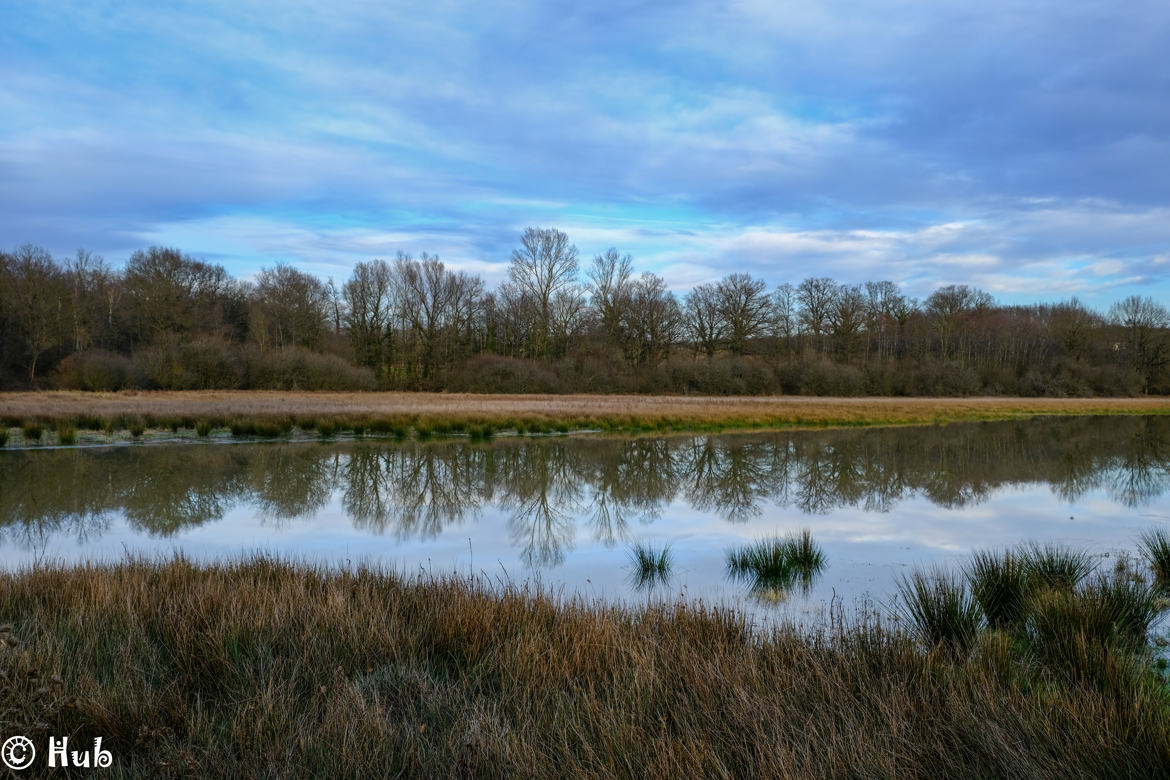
x,y
66,434
242,427
422,431
203,428
1056,566
777,563
32,432
651,567
3,435
137,427
1155,548
1001,586
940,610
399,432
326,428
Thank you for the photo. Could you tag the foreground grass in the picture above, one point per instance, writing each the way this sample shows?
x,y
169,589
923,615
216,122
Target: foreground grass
x,y
264,669
480,416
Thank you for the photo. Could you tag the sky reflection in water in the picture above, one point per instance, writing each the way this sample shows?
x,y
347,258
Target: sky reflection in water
x,y
565,511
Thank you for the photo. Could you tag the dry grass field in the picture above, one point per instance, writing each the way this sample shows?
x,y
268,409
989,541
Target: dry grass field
x,y
609,412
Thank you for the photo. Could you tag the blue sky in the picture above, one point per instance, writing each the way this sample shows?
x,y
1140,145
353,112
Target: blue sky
x,y
1023,147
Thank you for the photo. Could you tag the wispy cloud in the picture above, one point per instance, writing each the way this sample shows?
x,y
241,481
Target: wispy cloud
x,y
1024,147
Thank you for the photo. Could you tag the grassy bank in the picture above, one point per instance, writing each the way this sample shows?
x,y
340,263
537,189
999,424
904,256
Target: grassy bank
x,y
263,668
426,414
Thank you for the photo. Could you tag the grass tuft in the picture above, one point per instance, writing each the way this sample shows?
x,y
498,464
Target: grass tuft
x,y
66,434
940,611
775,564
651,567
32,432
1000,584
1155,548
1056,566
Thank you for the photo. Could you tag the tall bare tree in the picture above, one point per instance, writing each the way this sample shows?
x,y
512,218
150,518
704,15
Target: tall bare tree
x,y
544,266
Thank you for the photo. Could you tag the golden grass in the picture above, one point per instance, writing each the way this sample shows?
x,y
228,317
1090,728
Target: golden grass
x,y
610,412
268,669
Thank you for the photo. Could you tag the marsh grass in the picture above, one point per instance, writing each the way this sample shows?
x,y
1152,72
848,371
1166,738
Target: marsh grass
x,y
31,432
773,565
137,427
3,435
940,610
262,668
1000,585
66,434
650,566
203,428
1056,566
1154,545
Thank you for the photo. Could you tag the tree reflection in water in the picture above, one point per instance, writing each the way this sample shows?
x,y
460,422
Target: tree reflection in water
x,y
550,486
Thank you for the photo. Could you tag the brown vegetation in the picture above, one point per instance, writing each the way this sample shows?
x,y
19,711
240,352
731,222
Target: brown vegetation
x,y
578,411
265,669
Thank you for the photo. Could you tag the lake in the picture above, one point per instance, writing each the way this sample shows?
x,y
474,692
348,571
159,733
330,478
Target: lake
x,y
564,511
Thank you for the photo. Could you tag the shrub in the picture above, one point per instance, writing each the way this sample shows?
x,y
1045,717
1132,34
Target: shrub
x,y
496,374
97,370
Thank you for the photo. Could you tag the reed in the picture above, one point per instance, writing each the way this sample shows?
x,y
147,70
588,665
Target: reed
x,y
1000,584
31,432
650,566
66,434
940,611
1056,566
1155,548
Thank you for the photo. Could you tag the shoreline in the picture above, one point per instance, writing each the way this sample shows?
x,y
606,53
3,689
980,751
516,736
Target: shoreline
x,y
277,413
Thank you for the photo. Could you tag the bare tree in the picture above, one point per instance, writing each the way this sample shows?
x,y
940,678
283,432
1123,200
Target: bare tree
x,y
704,323
815,296
651,323
1144,321
37,293
289,307
744,308
610,290
950,307
369,300
545,265
846,319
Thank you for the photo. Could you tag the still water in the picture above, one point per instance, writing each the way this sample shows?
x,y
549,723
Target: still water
x,y
565,511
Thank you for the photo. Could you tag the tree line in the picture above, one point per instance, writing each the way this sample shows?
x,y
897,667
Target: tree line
x,y
556,324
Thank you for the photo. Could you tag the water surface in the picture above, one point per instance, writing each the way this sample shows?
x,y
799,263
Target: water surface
x,y
564,511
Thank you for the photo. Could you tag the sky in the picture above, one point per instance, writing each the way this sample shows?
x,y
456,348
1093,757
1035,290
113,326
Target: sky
x,y
1020,147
